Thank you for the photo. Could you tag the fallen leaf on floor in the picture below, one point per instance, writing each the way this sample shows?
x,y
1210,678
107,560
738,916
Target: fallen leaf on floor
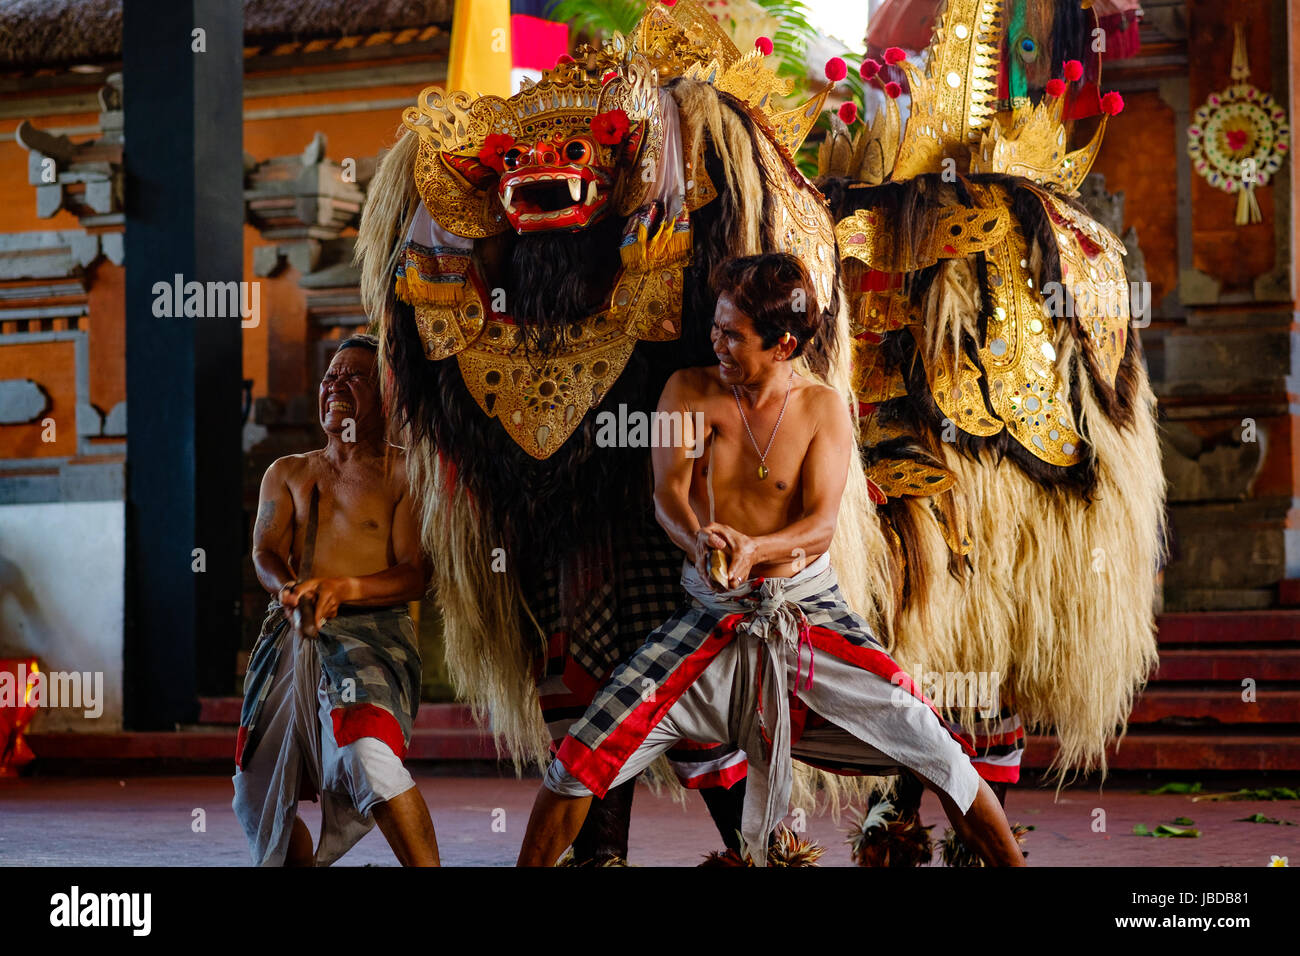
x,y
1267,793
1176,788
1260,818
1165,830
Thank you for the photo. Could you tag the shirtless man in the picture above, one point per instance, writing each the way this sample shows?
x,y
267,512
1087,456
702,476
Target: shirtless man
x,y
334,681
730,665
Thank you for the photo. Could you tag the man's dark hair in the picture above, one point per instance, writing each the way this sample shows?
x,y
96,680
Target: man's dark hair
x,y
776,292
359,341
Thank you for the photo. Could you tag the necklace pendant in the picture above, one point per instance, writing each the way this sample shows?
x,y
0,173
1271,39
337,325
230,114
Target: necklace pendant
x,y
762,472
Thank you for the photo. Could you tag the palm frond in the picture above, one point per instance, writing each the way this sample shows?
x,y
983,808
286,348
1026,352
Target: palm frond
x,y
598,18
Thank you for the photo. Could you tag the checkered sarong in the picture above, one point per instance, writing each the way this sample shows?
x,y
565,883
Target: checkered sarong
x,y
999,745
372,662
616,609
643,690
614,612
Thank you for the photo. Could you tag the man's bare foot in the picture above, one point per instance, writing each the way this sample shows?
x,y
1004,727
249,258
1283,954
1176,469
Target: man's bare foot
x,y
406,824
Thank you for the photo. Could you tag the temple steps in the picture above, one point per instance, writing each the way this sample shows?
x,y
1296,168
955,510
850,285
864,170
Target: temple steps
x,y
1198,713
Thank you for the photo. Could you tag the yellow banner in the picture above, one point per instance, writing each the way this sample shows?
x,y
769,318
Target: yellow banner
x,y
479,60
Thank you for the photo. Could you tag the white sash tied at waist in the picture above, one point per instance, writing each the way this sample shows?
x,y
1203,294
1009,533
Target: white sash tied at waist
x,y
776,627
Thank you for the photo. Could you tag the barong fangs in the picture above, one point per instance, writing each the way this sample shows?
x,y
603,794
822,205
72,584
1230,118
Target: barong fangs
x,y
733,667
330,716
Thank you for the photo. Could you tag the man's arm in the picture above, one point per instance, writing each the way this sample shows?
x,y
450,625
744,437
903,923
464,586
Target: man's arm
x,y
824,474
673,469
273,531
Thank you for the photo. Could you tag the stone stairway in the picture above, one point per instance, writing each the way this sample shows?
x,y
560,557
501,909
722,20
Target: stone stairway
x,y
1196,714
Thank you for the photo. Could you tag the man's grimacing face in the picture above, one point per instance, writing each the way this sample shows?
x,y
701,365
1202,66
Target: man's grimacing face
x,y
739,348
349,389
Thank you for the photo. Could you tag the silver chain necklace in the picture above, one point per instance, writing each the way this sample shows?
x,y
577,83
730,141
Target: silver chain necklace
x,y
762,456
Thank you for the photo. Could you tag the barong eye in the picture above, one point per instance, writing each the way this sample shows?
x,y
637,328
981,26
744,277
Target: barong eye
x,y
578,151
512,157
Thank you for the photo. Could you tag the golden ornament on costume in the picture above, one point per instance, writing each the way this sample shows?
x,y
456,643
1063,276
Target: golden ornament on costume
x,y
903,476
1034,144
1000,572
955,99
559,154
1019,360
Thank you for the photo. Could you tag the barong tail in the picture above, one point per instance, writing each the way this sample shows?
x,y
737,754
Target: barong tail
x,y
720,667
331,716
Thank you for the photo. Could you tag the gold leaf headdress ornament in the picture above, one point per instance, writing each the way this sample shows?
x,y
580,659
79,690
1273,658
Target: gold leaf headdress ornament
x,y
954,115
625,73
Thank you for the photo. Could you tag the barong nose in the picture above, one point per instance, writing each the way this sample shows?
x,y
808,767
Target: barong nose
x,y
546,154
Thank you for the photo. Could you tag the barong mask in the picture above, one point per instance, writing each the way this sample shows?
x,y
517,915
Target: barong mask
x,y
1008,420
551,157
596,137
1011,376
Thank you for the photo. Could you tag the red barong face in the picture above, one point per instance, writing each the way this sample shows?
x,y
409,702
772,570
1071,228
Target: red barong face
x,y
557,182
550,158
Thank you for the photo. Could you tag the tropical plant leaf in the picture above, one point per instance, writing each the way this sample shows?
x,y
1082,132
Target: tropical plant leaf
x,y
1184,821
598,18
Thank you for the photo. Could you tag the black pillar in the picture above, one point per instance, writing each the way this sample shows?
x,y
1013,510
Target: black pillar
x,y
184,183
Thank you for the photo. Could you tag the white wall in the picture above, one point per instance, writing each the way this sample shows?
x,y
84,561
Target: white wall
x,y
62,587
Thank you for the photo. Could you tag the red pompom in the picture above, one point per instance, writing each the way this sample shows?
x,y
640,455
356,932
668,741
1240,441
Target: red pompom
x,y
848,113
1056,88
893,90
895,55
610,75
1074,71
869,70
670,3
564,58
1112,103
836,69
764,45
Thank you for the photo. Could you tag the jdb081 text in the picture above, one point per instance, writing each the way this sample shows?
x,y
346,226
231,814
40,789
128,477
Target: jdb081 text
x,y
1208,899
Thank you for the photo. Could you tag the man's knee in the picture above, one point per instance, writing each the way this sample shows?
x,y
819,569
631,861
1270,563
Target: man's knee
x,y
559,781
372,773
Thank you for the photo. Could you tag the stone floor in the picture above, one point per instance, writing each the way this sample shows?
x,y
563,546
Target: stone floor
x,y
153,820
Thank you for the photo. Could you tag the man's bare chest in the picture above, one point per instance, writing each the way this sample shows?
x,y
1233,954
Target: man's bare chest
x,y
763,469
358,503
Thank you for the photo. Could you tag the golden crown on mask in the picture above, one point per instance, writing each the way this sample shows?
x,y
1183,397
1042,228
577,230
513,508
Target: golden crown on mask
x,y
954,116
